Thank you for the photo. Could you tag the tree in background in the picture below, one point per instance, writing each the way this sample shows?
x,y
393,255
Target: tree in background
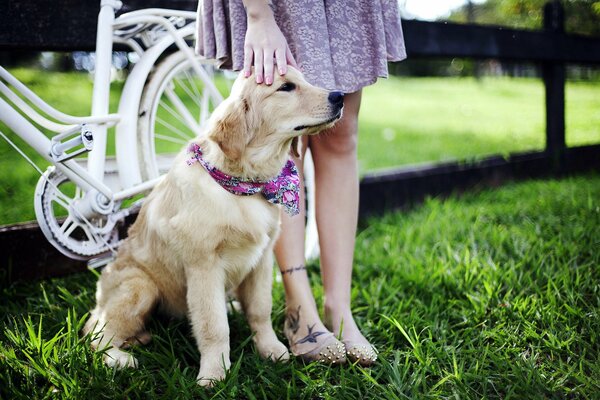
x,y
582,16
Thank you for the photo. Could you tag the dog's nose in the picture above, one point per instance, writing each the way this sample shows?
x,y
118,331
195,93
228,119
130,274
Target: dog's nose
x,y
336,98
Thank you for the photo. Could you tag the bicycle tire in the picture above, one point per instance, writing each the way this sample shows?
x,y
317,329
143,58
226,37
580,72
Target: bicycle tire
x,y
161,134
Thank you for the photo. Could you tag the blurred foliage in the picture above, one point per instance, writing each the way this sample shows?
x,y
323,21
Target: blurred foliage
x,y
581,16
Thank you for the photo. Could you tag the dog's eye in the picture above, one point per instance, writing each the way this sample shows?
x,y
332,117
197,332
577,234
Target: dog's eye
x,y
287,87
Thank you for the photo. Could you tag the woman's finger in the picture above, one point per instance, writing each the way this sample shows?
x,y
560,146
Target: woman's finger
x,y
248,55
268,66
290,58
281,61
258,65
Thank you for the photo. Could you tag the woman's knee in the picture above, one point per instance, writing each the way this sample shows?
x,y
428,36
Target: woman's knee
x,y
341,139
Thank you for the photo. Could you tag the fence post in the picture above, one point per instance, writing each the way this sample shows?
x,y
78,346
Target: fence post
x,y
554,74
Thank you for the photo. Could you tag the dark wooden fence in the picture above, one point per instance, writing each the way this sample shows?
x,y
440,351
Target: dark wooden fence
x,y
67,25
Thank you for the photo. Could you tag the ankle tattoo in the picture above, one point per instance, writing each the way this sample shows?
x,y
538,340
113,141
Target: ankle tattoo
x,y
293,269
312,336
293,320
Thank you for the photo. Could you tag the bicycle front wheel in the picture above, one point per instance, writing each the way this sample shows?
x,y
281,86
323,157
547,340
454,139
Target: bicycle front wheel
x,y
174,106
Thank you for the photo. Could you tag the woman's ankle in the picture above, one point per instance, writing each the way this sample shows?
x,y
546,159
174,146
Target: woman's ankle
x,y
340,320
335,312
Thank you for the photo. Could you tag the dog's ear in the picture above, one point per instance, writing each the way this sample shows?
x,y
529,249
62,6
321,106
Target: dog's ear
x,y
232,132
295,147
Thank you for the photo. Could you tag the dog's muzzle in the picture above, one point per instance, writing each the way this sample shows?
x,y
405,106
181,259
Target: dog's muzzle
x,y
336,101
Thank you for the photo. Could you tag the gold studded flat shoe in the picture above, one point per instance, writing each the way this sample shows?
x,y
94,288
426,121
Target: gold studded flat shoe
x,y
365,355
328,351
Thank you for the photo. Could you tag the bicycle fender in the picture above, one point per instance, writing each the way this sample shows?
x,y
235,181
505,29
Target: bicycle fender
x,y
129,105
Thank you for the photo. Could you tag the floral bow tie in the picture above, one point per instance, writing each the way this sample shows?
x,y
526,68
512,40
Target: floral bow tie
x,y
284,189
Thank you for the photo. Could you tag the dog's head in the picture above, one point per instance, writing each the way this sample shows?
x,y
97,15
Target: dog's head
x,y
269,119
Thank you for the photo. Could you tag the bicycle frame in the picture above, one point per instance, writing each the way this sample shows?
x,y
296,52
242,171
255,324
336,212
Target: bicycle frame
x,y
109,30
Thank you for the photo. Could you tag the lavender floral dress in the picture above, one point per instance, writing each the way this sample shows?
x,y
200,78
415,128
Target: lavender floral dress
x,y
338,44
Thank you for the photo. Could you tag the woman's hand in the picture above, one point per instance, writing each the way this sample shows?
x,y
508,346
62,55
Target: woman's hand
x,y
264,43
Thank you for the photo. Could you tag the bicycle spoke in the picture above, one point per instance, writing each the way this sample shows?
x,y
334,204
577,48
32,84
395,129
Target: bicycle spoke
x,y
169,109
187,90
62,202
67,222
192,83
171,127
71,229
183,111
204,109
170,139
204,99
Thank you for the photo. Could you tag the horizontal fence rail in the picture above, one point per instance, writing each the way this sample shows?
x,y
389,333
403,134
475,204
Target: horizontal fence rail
x,y
399,188
68,25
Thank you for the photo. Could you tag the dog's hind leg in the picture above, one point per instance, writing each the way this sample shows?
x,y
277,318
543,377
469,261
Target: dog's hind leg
x,y
124,298
254,294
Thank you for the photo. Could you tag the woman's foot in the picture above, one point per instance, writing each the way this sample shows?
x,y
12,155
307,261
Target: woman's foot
x,y
358,348
309,339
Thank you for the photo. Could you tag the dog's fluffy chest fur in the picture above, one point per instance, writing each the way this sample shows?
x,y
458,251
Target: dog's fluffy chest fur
x,y
201,225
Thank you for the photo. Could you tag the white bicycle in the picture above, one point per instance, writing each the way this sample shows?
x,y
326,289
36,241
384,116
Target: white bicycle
x,y
80,201
169,93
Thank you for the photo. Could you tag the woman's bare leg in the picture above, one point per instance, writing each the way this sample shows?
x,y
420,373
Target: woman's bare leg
x,y
303,326
337,190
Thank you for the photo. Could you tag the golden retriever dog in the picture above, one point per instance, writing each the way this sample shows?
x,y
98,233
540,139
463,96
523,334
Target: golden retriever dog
x,y
193,240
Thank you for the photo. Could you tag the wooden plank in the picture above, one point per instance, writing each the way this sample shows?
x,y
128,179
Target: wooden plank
x,y
25,255
379,192
401,187
439,39
44,25
63,25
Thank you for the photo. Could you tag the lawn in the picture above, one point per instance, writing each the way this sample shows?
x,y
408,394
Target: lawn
x,y
402,121
494,294
408,120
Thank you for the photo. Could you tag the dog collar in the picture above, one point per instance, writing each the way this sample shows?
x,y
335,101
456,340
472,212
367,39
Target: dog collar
x,y
284,189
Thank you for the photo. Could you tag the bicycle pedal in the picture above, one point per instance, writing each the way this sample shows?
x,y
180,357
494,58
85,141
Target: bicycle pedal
x,y
71,143
100,262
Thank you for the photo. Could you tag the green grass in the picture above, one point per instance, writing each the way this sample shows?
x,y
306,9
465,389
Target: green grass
x,y
408,120
493,294
402,121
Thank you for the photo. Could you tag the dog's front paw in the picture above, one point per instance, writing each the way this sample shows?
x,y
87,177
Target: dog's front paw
x,y
114,357
274,350
210,374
